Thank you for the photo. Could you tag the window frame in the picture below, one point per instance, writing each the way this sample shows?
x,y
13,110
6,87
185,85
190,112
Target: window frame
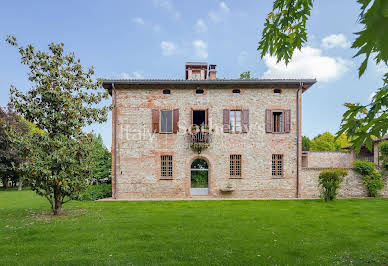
x,y
276,163
235,120
235,166
166,166
281,123
196,74
160,121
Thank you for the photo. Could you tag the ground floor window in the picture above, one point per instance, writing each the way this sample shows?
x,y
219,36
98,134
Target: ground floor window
x,y
235,165
166,166
277,165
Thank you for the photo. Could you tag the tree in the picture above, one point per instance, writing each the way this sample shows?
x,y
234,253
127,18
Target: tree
x,y
327,142
62,101
12,154
306,143
285,31
245,75
102,159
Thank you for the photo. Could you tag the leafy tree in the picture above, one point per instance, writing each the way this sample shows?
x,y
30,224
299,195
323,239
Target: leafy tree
x,y
245,75
327,142
62,100
285,30
306,143
102,159
383,149
12,154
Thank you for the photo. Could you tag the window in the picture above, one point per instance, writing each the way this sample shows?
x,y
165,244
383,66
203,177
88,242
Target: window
x,y
277,165
196,75
199,91
236,91
166,91
277,91
166,121
235,165
277,118
235,120
166,166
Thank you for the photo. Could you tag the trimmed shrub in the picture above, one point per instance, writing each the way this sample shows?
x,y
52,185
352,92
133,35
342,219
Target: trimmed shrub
x,y
329,182
372,179
95,192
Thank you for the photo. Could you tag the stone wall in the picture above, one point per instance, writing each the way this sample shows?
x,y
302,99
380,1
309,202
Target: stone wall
x,y
139,150
352,187
329,159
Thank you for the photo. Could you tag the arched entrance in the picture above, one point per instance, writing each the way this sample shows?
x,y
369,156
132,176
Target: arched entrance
x,y
199,179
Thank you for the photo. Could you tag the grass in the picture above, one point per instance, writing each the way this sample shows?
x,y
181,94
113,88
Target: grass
x,y
308,232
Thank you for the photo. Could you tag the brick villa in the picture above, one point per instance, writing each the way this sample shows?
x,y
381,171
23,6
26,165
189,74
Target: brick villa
x,y
203,137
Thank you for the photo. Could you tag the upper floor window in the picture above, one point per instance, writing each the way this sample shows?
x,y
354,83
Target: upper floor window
x,y
235,120
277,91
166,121
278,121
236,91
196,75
199,91
166,92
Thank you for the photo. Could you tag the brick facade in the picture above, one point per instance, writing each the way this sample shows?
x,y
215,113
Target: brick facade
x,y
138,149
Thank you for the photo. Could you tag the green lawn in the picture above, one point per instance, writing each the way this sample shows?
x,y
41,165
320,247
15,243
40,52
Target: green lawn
x,y
194,232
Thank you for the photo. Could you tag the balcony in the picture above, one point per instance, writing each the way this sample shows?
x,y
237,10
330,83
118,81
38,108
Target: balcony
x,y
199,138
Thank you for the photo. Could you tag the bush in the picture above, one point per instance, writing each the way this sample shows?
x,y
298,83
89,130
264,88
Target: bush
x,y
383,148
329,181
95,192
372,179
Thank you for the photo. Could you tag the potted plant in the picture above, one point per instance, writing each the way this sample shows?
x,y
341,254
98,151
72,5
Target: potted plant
x,y
195,129
205,129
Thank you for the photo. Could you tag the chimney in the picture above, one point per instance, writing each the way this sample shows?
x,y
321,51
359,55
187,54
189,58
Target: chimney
x,y
196,70
212,72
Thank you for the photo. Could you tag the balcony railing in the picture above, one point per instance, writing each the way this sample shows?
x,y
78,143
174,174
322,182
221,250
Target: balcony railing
x,y
199,140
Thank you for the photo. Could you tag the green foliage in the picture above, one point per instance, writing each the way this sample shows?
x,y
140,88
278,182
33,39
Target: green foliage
x,y
372,179
330,181
245,75
285,30
306,142
383,148
102,161
61,102
95,192
327,142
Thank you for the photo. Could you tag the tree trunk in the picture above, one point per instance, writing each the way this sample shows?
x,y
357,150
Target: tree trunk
x,y
57,207
20,184
5,182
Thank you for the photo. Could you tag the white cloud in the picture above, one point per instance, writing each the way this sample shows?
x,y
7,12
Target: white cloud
x,y
200,48
200,26
168,6
168,48
220,14
307,63
335,40
138,21
382,68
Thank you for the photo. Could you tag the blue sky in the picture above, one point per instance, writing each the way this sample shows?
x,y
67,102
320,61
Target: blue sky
x,y
154,38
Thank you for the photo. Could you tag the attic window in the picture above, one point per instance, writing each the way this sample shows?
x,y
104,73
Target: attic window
x,y
236,91
277,91
199,91
166,91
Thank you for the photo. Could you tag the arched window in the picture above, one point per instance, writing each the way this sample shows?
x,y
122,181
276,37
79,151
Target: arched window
x,y
199,164
236,91
277,91
166,91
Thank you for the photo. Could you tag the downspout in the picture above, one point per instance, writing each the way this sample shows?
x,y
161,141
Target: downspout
x,y
297,138
114,141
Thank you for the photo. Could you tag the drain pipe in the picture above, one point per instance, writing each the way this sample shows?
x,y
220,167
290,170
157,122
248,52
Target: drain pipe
x,y
114,141
297,138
